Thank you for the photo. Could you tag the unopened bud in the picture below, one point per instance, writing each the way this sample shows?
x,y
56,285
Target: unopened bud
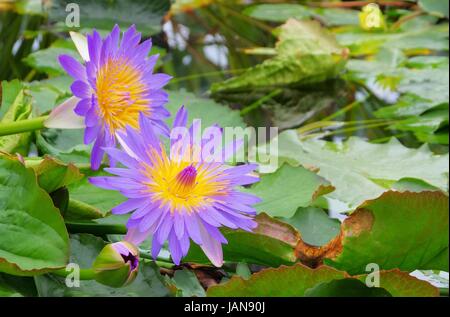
x,y
117,264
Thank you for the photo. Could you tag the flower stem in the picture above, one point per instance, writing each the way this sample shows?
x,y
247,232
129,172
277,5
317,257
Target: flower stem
x,y
352,4
260,101
22,126
160,261
405,18
163,264
316,125
351,129
95,228
343,110
85,274
208,74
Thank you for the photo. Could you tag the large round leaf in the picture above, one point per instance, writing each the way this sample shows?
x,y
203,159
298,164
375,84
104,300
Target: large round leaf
x,y
53,174
271,243
284,281
209,111
360,170
315,226
103,15
288,189
33,238
405,230
436,7
346,288
300,280
19,109
306,53
90,200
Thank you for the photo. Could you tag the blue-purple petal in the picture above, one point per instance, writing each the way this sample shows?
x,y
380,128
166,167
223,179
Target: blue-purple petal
x,y
80,89
72,67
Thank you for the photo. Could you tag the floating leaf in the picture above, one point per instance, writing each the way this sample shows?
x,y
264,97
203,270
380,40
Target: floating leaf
x,y
66,145
271,243
187,284
92,200
404,230
209,111
19,109
299,280
418,38
336,17
347,287
43,98
369,169
413,185
103,15
423,85
9,92
401,284
53,174
34,238
48,93
419,89
46,60
426,125
289,107
287,189
243,270
427,62
78,210
283,281
316,227
281,12
436,7
306,54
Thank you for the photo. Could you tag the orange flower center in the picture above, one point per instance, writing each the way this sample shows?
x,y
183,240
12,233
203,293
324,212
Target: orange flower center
x,y
120,94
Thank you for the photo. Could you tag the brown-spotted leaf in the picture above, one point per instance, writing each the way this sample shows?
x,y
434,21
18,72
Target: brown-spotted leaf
x,y
403,230
401,284
300,280
289,188
283,281
272,243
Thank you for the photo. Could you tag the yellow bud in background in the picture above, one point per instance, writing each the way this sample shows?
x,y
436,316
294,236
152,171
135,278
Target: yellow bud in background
x,y
371,18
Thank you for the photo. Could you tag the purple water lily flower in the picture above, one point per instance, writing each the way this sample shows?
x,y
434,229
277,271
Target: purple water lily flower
x,y
180,196
115,86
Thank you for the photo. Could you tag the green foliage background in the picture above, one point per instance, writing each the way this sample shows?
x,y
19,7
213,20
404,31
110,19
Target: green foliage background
x,y
361,174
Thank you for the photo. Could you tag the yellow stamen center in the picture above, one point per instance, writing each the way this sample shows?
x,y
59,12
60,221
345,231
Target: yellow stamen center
x,y
180,184
120,94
